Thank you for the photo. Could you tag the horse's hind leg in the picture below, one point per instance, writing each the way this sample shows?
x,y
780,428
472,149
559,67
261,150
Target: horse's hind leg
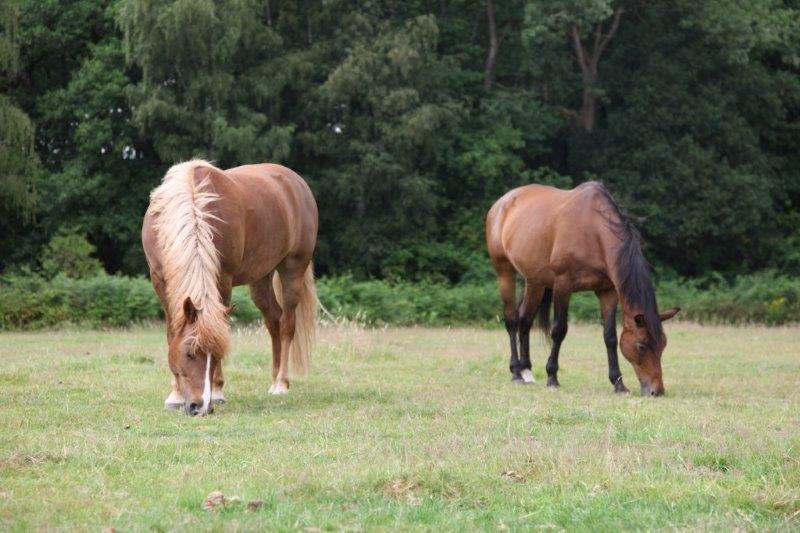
x,y
558,332
608,311
263,296
291,272
527,310
507,279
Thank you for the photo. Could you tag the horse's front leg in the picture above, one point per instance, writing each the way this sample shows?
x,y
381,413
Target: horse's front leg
x,y
217,383
608,311
174,401
218,380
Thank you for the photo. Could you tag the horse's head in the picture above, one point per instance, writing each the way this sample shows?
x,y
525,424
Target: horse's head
x,y
643,351
192,366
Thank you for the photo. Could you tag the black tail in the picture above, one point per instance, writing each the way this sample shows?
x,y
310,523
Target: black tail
x,y
543,313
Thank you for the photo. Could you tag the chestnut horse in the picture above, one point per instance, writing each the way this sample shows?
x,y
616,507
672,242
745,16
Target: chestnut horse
x,y
208,230
562,242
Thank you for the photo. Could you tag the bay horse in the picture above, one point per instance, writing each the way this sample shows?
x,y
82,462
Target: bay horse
x,y
207,230
562,242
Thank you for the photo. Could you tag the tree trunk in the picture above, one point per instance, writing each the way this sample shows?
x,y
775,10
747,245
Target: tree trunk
x,y
588,111
491,55
585,118
308,22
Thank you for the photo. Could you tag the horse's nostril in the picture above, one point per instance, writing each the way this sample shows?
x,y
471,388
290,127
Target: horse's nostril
x,y
193,407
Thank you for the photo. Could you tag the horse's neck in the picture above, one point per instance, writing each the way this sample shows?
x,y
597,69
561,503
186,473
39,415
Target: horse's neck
x,y
612,248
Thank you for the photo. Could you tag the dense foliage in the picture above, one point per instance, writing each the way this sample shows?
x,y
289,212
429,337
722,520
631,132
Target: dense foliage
x,y
409,119
32,302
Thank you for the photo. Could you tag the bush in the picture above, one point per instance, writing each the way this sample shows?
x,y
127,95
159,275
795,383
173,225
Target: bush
x,y
100,301
70,254
29,301
765,298
403,303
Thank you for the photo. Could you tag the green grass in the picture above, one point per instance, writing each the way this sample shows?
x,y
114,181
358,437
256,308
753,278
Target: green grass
x,y
403,429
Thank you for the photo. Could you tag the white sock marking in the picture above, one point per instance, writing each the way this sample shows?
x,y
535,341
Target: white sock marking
x,y
174,399
207,386
527,376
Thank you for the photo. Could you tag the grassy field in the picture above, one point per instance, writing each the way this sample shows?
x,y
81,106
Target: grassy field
x,y
403,429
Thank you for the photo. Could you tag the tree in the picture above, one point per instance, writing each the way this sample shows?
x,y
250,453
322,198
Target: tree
x,y
389,134
703,153
106,162
16,129
408,119
208,85
590,27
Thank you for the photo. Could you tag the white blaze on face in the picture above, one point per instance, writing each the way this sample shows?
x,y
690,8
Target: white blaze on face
x,y
207,386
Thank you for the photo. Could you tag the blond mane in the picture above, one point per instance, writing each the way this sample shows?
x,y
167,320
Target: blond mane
x,y
190,261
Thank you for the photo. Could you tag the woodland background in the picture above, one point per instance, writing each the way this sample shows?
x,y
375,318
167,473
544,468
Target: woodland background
x,y
408,119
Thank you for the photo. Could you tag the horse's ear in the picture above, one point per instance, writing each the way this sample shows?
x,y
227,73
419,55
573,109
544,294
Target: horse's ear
x,y
189,310
230,309
639,319
669,313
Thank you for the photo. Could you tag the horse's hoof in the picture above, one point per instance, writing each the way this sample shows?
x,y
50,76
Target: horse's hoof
x,y
553,383
217,397
527,376
278,388
174,402
620,388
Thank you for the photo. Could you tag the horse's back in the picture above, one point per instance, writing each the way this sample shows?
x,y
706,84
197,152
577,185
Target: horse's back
x,y
279,216
262,214
543,231
277,177
525,210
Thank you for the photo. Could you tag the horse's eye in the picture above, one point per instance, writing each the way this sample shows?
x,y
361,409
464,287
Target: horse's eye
x,y
190,355
640,347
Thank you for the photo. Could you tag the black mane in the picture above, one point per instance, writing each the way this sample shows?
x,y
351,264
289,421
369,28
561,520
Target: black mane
x,y
632,267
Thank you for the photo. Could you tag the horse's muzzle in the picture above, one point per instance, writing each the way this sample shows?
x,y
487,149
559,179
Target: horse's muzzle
x,y
650,390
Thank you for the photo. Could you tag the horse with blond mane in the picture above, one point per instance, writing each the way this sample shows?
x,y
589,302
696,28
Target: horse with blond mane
x,y
208,230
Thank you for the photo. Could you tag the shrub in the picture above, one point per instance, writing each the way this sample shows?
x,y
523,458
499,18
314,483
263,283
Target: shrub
x,y
70,254
29,301
100,301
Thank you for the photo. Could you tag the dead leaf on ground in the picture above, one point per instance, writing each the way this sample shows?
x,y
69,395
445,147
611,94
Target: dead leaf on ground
x,y
511,475
403,489
214,500
254,505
